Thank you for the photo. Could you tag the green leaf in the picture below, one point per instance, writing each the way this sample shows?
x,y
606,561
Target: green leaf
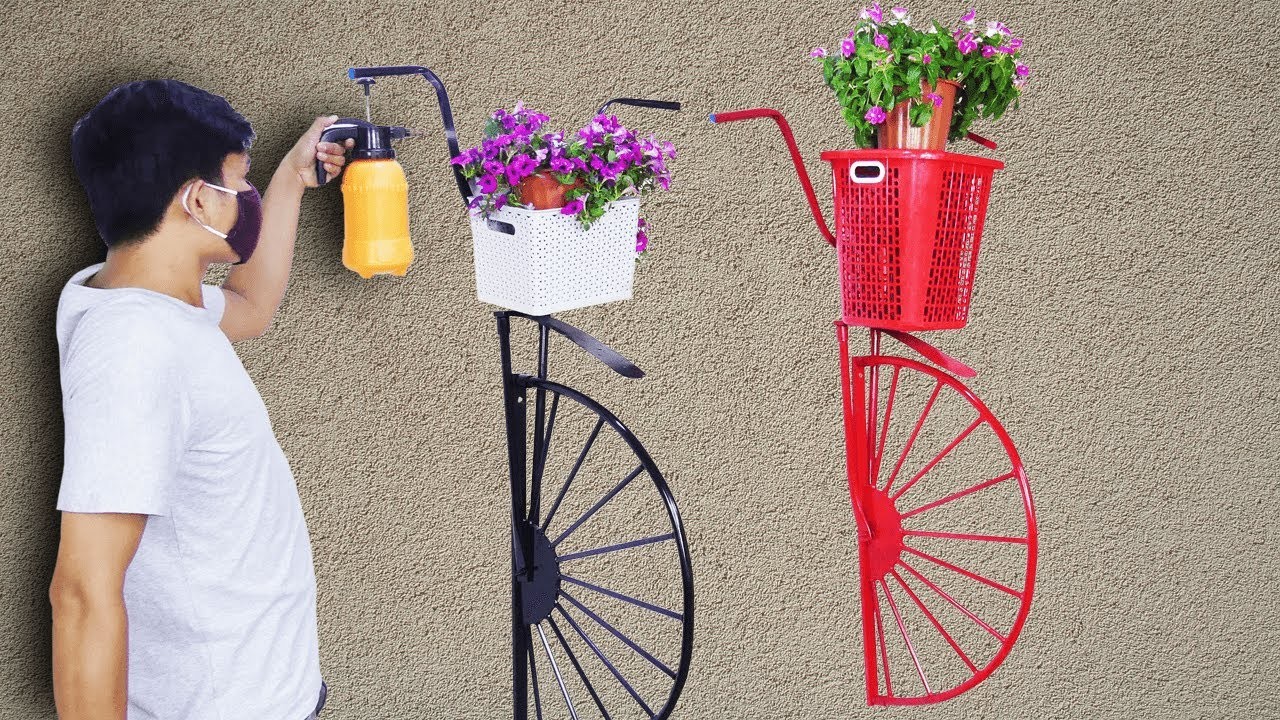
x,y
861,66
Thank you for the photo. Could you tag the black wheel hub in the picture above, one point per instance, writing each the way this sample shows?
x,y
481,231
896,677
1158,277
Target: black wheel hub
x,y
540,588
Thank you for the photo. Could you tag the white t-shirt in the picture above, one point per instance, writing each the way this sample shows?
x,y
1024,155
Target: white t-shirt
x,y
162,420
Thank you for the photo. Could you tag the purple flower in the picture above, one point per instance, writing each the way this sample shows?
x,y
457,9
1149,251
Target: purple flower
x,y
1021,70
969,17
848,47
488,183
934,98
664,182
926,59
642,241
900,13
493,167
819,52
500,202
521,166
1015,43
881,41
873,13
573,207
988,51
875,115
561,165
967,44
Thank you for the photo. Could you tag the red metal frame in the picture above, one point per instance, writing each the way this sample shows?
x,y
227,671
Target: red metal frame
x,y
880,531
882,539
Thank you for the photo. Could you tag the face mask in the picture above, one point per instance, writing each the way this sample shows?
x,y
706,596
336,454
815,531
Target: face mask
x,y
243,236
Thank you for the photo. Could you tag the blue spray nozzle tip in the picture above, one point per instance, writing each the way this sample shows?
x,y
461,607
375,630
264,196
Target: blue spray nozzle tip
x,y
351,73
712,118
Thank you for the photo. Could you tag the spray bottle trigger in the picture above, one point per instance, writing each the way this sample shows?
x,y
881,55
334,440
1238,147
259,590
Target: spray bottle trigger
x,y
338,132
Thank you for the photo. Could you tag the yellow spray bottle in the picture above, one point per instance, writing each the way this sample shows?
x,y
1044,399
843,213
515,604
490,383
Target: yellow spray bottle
x,y
375,199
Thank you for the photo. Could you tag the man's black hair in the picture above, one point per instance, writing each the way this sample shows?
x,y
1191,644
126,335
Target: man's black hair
x,y
141,142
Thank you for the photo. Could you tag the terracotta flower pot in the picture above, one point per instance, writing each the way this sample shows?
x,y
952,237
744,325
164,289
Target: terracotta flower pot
x,y
544,191
897,132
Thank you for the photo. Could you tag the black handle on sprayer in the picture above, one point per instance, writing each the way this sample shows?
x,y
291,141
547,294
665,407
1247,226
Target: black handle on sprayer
x,y
340,131
372,141
446,112
640,102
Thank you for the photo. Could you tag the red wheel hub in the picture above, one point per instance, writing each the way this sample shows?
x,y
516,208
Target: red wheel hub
x,y
884,544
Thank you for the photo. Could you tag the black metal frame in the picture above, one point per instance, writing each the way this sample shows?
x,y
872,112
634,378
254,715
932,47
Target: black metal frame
x,y
526,492
526,500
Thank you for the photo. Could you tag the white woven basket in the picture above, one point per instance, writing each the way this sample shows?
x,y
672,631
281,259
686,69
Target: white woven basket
x,y
541,261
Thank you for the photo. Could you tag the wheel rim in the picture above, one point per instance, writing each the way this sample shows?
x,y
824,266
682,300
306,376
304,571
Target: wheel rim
x,y
608,607
947,537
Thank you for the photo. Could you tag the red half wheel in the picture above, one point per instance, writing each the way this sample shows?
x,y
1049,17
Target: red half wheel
x,y
946,531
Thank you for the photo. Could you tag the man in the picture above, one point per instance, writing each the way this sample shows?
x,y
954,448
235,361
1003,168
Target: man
x,y
184,587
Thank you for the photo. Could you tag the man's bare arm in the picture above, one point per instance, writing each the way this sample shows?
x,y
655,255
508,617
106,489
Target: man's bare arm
x,y
90,627
255,289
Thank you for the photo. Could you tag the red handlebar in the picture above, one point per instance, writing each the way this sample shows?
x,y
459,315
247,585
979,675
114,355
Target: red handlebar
x,y
777,117
795,158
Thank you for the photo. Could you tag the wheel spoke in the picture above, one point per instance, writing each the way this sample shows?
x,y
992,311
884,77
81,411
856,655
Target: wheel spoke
x,y
906,638
600,654
955,603
957,569
573,473
933,619
884,651
533,670
599,504
623,597
578,666
541,447
966,536
938,458
873,405
960,493
556,669
884,430
616,548
924,414
620,635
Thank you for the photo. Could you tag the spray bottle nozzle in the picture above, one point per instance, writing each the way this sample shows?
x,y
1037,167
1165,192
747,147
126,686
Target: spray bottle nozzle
x,y
366,83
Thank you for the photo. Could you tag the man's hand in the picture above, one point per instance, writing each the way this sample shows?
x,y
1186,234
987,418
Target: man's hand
x,y
90,626
302,158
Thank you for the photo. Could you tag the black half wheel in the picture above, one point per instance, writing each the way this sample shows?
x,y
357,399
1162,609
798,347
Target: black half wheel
x,y
601,568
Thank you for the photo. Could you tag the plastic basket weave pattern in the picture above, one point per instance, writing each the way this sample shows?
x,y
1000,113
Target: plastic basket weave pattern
x,y
541,261
908,227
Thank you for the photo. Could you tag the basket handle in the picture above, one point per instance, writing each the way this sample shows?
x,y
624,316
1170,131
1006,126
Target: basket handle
x,y
863,178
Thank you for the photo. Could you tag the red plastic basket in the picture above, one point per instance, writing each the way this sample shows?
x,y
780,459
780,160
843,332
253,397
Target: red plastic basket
x,y
908,225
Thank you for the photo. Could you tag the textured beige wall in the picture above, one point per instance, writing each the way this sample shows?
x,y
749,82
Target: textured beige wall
x,y
1124,325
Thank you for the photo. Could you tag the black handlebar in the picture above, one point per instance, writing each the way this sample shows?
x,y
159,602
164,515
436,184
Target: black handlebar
x,y
446,111
641,102
451,134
